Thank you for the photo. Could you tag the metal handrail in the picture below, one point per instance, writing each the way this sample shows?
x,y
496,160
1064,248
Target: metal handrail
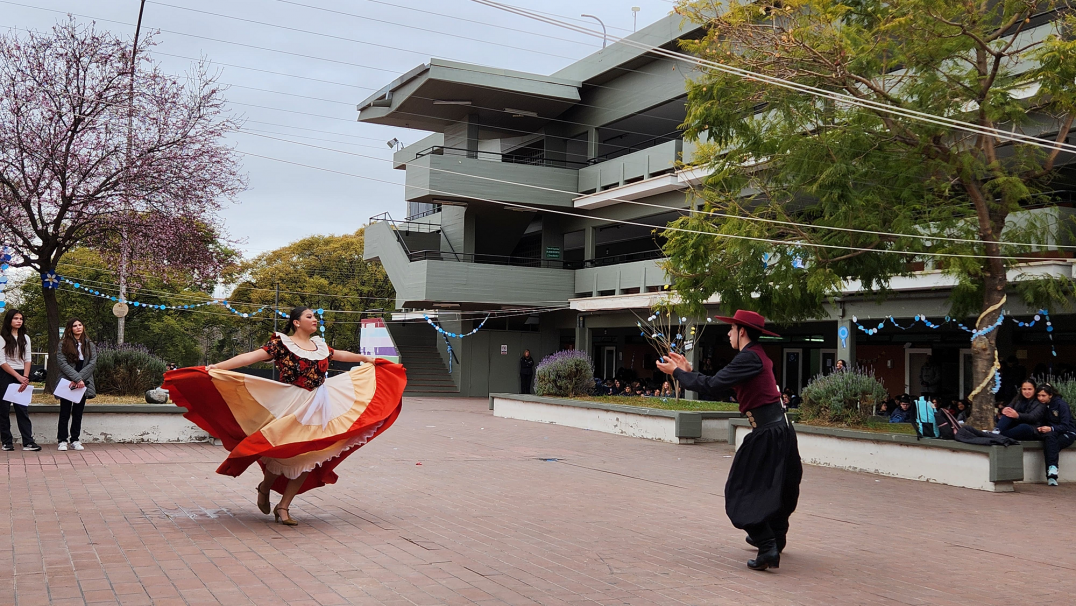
x,y
517,261
671,136
539,160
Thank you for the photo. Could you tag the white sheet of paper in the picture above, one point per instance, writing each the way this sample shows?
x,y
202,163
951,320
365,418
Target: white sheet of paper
x,y
63,390
14,396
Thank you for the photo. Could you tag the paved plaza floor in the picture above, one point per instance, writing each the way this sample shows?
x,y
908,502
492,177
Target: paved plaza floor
x,y
454,506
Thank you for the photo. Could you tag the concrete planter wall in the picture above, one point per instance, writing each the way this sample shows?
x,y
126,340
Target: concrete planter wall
x,y
154,423
673,426
1035,465
991,468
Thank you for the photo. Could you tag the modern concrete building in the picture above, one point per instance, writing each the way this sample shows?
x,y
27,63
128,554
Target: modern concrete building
x,y
509,209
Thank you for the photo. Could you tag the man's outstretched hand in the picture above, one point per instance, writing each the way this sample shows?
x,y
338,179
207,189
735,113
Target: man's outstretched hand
x,y
672,361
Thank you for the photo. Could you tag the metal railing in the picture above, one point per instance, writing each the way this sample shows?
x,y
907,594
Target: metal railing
x,y
658,140
539,159
484,259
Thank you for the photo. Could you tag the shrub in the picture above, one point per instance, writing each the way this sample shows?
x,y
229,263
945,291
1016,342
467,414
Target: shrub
x,y
127,370
566,373
845,397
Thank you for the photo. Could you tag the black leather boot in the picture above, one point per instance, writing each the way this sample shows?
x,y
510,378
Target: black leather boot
x,y
782,540
768,556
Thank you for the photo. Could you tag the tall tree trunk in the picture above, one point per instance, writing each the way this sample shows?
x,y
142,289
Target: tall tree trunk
x,y
52,316
984,353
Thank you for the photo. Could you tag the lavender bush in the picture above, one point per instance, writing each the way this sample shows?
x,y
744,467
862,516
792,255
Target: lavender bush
x,y
127,370
844,397
567,373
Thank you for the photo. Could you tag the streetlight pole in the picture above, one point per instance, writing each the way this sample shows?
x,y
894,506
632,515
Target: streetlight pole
x,y
124,245
605,36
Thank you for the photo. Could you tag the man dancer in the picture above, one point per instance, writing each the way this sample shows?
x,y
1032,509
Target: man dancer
x,y
764,483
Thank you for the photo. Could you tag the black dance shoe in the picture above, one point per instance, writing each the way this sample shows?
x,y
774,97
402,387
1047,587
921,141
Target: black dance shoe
x,y
782,540
768,556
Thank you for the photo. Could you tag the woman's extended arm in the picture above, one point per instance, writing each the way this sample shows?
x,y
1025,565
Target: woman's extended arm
x,y
347,356
258,355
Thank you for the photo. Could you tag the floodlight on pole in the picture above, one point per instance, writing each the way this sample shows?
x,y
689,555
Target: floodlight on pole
x,y
635,17
394,143
605,36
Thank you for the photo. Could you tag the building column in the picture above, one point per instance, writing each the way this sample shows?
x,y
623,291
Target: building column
x,y
846,341
589,236
592,143
472,135
582,335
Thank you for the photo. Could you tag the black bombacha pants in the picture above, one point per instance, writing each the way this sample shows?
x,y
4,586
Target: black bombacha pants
x,y
764,484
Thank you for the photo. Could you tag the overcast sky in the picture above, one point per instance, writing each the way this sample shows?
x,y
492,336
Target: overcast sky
x,y
384,39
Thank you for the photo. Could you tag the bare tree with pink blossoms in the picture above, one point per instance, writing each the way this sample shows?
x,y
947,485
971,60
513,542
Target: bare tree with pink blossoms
x,y
72,174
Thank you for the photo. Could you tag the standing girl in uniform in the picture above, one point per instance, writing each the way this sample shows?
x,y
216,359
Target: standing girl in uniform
x,y
15,355
77,358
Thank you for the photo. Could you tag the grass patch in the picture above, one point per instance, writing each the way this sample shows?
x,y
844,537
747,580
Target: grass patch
x,y
871,426
101,399
663,403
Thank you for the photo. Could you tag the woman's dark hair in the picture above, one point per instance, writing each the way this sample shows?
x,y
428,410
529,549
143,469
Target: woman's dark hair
x,y
1047,388
69,347
15,348
1019,397
295,315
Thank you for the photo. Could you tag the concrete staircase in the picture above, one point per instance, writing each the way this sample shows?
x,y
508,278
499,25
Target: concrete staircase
x,y
426,372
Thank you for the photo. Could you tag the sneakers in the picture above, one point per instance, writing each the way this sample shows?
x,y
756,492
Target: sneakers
x,y
1051,481
77,445
8,447
61,446
1052,471
31,446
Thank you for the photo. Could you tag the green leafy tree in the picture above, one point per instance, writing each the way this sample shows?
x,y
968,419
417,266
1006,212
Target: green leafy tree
x,y
325,272
808,195
173,335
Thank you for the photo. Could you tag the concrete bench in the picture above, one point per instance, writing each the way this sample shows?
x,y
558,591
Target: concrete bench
x,y
1035,463
120,423
991,468
673,426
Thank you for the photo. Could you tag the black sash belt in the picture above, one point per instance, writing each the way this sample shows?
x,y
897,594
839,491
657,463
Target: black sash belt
x,y
765,415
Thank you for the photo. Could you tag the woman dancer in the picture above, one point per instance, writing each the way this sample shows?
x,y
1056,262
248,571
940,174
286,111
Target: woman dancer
x,y
76,358
297,429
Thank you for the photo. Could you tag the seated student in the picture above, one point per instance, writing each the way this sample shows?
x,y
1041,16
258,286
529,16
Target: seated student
x,y
962,411
886,407
1058,431
628,391
1022,417
667,390
904,412
790,399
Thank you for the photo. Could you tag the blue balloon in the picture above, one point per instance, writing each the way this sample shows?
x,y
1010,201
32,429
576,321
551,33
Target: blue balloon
x,y
320,311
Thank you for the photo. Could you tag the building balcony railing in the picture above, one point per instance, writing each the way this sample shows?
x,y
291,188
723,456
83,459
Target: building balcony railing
x,y
623,151
438,255
536,159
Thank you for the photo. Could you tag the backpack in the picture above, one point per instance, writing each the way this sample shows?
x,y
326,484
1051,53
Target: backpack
x,y
946,424
925,424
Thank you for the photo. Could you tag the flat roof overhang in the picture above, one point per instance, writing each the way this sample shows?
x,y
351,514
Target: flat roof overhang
x,y
431,97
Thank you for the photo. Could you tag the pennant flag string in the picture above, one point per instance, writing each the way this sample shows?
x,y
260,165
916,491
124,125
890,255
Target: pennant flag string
x,y
1042,315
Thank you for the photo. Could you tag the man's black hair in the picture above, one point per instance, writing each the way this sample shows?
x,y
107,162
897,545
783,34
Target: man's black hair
x,y
752,333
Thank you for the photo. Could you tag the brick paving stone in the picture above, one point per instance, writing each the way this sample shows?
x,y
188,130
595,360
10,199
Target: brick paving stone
x,y
484,520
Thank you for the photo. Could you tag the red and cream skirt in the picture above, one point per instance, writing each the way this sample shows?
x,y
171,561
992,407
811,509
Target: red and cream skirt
x,y
287,429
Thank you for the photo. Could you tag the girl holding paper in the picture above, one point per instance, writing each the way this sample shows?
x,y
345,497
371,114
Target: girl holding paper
x,y
15,375
76,358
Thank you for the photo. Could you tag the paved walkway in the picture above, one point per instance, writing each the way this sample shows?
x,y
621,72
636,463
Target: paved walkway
x,y
453,506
